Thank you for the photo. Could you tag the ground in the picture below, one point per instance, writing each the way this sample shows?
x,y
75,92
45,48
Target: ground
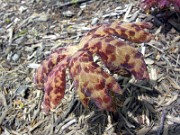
x,y
30,29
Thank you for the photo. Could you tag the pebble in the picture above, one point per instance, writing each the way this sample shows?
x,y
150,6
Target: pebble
x,y
21,90
15,57
20,40
83,6
9,56
94,21
68,13
33,65
22,9
149,61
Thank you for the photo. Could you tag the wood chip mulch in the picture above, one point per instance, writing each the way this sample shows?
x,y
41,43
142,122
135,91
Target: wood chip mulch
x,y
30,29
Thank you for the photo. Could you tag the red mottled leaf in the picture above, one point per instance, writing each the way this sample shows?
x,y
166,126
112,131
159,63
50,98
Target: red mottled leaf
x,y
131,31
55,86
48,64
91,82
117,55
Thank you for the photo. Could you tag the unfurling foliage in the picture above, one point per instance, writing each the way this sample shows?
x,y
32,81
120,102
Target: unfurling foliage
x,y
92,83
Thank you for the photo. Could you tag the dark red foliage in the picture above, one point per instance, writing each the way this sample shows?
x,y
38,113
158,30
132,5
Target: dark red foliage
x,y
161,4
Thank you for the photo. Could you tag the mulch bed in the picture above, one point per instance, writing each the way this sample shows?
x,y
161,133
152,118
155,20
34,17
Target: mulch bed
x,y
30,29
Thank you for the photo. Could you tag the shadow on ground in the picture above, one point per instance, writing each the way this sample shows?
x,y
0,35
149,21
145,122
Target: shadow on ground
x,y
135,111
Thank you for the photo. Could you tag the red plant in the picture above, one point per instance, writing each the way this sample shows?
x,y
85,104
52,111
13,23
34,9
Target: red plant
x,y
161,4
91,81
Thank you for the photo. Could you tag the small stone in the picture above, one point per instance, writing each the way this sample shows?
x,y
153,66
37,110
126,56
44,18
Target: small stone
x,y
15,57
22,9
149,61
94,21
68,13
21,90
33,65
16,20
20,40
9,56
83,6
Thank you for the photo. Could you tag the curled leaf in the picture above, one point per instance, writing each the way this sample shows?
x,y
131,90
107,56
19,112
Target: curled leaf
x,y
117,55
55,86
48,64
130,31
91,82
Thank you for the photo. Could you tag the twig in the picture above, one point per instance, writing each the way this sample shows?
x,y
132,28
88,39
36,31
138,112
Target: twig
x,y
97,116
10,131
64,122
110,127
4,113
10,35
167,61
134,16
67,125
52,127
2,97
174,98
126,121
175,60
173,82
173,119
15,132
36,125
127,13
72,2
162,122
178,58
143,87
155,47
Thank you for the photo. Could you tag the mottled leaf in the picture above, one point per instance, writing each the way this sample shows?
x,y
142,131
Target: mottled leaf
x,y
116,54
130,31
55,86
48,64
91,82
